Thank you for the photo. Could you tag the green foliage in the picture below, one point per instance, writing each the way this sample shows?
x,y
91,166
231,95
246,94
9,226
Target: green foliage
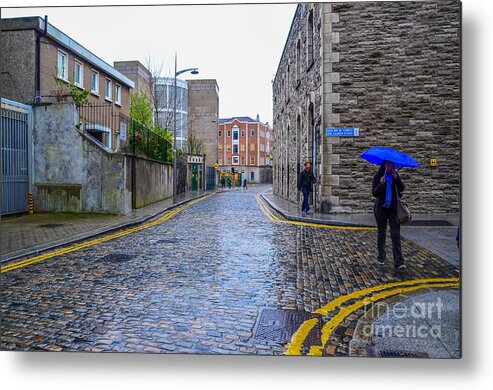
x,y
65,90
141,109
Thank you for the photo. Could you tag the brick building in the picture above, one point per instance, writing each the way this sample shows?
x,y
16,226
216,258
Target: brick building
x,y
36,54
391,70
245,144
136,72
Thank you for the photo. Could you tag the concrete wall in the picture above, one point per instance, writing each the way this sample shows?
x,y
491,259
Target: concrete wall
x,y
391,69
17,77
153,181
71,173
203,115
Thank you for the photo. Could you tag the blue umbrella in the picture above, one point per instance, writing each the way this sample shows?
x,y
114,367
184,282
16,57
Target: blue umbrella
x,y
377,155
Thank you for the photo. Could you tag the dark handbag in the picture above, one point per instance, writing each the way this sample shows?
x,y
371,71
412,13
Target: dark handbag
x,y
403,212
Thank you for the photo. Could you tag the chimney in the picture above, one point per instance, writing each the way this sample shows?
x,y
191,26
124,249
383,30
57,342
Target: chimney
x,y
257,119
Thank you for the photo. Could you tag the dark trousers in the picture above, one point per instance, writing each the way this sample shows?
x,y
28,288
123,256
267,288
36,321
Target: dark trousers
x,y
395,233
306,192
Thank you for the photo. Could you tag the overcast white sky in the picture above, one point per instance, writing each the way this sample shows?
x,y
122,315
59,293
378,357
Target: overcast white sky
x,y
238,45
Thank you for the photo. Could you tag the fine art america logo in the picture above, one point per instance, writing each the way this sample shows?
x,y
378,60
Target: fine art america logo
x,y
406,319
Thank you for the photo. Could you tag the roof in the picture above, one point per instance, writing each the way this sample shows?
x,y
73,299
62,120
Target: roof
x,y
38,23
240,119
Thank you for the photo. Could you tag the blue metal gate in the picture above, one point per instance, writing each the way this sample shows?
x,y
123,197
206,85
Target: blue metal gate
x,y
15,151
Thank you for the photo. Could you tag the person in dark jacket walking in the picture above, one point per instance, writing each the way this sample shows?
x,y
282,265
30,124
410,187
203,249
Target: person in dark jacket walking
x,y
306,180
386,184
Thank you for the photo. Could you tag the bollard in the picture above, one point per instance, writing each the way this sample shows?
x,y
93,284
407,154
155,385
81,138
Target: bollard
x,y
30,203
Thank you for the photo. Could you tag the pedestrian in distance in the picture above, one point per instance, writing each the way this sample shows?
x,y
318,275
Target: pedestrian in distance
x,y
223,184
386,185
245,187
306,180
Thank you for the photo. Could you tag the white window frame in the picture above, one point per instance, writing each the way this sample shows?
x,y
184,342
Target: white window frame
x,y
95,91
108,93
236,160
64,75
79,84
118,94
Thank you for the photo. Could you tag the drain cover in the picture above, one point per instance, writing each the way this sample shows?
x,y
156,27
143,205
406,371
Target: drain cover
x,y
117,257
385,353
279,325
50,225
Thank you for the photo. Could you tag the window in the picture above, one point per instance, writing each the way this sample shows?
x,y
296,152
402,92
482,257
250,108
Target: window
x,y
220,147
79,74
242,147
62,65
309,40
118,94
235,149
229,160
252,160
242,133
220,161
236,160
228,148
252,147
108,90
235,135
94,82
219,133
253,133
242,160
298,56
229,133
252,176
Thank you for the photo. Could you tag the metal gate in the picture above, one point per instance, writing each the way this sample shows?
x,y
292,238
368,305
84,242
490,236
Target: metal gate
x,y
15,151
211,179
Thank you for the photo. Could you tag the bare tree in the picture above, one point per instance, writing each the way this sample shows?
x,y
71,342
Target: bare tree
x,y
162,95
194,144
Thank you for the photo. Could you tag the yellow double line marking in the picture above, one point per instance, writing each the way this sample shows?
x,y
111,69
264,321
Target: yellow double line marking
x,y
97,241
274,218
297,339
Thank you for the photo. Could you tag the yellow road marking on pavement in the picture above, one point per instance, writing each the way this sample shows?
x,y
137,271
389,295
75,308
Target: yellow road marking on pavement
x,y
97,241
272,217
335,321
298,338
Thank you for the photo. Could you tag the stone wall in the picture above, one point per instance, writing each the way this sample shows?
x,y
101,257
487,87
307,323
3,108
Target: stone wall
x,y
391,69
71,173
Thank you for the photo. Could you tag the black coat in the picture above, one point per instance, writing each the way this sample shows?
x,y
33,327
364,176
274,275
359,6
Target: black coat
x,y
306,179
379,190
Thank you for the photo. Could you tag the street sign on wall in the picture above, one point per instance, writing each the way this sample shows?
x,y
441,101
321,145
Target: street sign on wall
x,y
342,132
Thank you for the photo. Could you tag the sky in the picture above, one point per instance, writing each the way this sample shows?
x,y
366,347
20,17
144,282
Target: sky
x,y
238,45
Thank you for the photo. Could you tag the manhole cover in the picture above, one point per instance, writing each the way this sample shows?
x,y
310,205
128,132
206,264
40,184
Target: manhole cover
x,y
436,222
50,225
279,325
117,257
385,353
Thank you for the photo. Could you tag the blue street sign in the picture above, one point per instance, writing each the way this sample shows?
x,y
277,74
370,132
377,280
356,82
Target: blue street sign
x,y
342,132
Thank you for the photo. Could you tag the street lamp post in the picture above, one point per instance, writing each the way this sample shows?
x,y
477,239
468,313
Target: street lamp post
x,y
177,73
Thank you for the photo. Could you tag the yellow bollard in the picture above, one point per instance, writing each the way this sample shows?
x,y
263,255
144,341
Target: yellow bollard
x,y
30,203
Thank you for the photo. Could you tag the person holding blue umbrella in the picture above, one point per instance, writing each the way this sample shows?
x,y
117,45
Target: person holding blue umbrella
x,y
386,184
387,187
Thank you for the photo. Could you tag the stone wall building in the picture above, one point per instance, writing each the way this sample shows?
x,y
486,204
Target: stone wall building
x,y
138,73
391,70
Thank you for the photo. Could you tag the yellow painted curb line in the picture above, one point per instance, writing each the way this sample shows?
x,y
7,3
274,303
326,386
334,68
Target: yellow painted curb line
x,y
272,217
97,241
298,338
328,328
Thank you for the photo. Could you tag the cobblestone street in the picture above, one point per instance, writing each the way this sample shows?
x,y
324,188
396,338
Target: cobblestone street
x,y
195,283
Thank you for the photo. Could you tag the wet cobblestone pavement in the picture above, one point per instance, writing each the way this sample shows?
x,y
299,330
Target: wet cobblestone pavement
x,y
193,284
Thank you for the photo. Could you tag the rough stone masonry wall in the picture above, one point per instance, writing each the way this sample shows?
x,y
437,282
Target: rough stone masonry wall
x,y
291,146
399,67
